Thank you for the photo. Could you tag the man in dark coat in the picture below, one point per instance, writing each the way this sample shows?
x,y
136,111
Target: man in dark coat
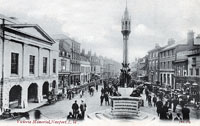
x,y
154,100
101,98
75,108
186,113
83,108
159,106
163,112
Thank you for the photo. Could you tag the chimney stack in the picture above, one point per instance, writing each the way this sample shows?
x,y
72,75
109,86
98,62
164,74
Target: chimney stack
x,y
157,45
171,41
190,38
89,53
83,51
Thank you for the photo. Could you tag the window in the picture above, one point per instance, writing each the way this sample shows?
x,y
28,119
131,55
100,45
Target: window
x,y
191,71
63,65
168,64
32,64
172,52
44,64
14,63
54,65
197,71
194,61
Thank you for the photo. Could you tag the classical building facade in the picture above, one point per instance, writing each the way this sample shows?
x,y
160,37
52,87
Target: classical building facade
x,y
28,65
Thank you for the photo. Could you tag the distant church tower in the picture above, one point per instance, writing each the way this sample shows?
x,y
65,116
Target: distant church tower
x,y
126,30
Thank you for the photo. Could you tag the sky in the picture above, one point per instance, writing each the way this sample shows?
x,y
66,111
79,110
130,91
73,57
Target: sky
x,y
96,24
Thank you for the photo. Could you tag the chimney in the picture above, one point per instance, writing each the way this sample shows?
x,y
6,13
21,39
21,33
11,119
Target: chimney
x,y
171,41
157,45
83,51
89,53
190,38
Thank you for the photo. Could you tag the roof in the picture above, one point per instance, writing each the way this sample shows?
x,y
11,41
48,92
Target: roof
x,y
30,30
155,49
182,60
167,47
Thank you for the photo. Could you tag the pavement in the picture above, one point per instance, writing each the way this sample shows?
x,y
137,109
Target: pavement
x,y
61,109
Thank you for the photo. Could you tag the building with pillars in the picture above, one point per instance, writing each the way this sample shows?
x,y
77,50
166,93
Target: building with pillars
x,y
28,65
168,56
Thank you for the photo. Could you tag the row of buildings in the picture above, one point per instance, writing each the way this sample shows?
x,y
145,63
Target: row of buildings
x,y
32,63
175,65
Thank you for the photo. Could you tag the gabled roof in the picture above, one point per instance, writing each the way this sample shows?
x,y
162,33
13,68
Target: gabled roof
x,y
31,30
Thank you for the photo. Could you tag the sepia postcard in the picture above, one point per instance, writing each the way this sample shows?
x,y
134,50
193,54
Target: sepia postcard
x,y
100,62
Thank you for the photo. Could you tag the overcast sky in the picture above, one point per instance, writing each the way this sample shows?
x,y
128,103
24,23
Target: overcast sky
x,y
96,24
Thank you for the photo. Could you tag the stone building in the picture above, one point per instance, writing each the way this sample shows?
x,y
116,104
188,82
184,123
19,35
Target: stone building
x,y
153,64
75,63
28,65
63,62
142,68
85,68
95,66
168,57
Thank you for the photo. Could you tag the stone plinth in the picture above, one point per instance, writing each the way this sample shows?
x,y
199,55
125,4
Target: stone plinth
x,y
124,107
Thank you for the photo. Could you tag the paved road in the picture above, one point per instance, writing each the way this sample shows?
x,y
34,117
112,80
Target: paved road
x,y
62,108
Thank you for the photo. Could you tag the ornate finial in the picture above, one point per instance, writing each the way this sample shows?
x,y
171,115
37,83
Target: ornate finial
x,y
126,3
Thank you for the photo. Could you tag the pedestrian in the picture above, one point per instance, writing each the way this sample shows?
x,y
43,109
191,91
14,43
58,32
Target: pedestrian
x,y
83,108
75,108
186,113
70,116
154,100
147,93
102,98
178,117
175,103
163,112
159,106
149,100
97,87
106,98
102,91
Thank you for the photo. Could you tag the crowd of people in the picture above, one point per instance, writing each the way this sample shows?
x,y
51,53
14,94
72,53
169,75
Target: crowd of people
x,y
166,107
109,89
